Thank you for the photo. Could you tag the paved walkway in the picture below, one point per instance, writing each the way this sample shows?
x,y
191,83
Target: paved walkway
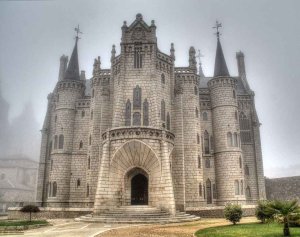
x,y
67,228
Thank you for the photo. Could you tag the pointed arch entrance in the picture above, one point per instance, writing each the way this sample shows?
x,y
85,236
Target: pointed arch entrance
x,y
139,190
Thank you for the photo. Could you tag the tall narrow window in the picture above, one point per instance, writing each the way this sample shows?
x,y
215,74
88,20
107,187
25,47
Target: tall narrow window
x,y
198,139
240,162
195,90
233,94
235,140
61,142
248,192
51,165
50,149
93,93
128,113
55,141
207,163
138,58
49,189
204,116
136,119
92,115
90,140
55,119
206,142
214,191
199,162
146,113
212,143
242,187
54,189
229,139
137,97
80,145
168,121
247,172
87,190
208,191
196,112
245,128
82,113
89,163
237,187
163,110
200,190
78,183
163,79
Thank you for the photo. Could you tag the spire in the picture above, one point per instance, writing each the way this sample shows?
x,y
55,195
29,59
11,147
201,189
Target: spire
x,y
220,63
172,51
72,72
199,56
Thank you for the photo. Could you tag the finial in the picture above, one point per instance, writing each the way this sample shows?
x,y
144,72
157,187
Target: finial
x,y
96,66
139,16
199,56
152,23
77,33
217,26
124,23
172,51
192,58
113,53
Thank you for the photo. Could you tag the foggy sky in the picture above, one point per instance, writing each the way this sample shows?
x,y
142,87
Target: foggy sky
x,y
34,34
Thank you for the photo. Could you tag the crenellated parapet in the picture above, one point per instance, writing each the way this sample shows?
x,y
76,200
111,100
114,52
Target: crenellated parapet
x,y
67,85
222,82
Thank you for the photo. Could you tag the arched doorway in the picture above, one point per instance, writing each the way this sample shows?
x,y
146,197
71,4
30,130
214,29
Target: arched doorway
x,y
139,190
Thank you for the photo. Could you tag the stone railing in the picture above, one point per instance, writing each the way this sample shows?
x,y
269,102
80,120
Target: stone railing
x,y
138,133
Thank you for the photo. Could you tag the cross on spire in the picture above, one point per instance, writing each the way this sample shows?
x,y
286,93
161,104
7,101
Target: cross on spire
x,y
217,26
77,33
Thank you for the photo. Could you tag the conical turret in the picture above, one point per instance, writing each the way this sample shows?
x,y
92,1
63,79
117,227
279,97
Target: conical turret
x,y
220,63
72,72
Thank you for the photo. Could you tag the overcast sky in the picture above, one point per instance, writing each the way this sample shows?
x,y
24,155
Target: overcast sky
x,y
34,34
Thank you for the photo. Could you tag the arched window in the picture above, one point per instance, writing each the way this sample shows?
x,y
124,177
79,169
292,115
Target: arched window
x,y
195,90
90,140
49,189
229,139
242,187
168,121
235,139
207,163
199,162
137,98
208,191
196,112
82,113
204,116
78,183
214,191
80,145
248,192
233,94
237,187
247,172
92,115
240,162
55,141
163,80
138,59
245,128
61,142
163,110
87,190
89,163
200,190
198,139
54,189
136,119
146,113
206,142
128,113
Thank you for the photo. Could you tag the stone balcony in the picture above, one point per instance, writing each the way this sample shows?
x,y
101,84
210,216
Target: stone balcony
x,y
138,133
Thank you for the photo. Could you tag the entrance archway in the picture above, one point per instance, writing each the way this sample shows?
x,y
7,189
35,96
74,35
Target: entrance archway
x,y
139,190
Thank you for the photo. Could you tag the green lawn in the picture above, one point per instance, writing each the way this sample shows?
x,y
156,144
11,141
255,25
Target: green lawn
x,y
247,230
22,223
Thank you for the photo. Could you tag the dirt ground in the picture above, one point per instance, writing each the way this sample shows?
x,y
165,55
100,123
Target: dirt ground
x,y
170,230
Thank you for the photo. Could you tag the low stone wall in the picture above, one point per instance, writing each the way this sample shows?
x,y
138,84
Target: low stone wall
x,y
48,213
287,188
218,212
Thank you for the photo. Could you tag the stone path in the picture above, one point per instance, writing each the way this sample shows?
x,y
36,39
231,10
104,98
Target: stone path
x,y
69,228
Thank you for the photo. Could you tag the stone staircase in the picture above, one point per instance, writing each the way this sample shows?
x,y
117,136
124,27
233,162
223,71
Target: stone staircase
x,y
138,215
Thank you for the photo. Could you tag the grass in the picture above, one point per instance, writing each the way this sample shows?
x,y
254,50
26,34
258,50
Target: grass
x,y
22,223
247,230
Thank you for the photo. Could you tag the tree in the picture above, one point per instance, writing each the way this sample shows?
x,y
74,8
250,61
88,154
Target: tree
x,y
262,211
233,213
287,211
30,209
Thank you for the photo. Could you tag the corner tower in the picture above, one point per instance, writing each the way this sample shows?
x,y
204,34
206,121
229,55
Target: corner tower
x,y
228,154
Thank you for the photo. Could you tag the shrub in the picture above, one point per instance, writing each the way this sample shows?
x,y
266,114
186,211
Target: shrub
x,y
30,209
262,211
233,213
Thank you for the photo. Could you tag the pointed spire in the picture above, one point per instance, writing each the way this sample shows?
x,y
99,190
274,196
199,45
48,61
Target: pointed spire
x,y
199,56
220,63
72,72
172,51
